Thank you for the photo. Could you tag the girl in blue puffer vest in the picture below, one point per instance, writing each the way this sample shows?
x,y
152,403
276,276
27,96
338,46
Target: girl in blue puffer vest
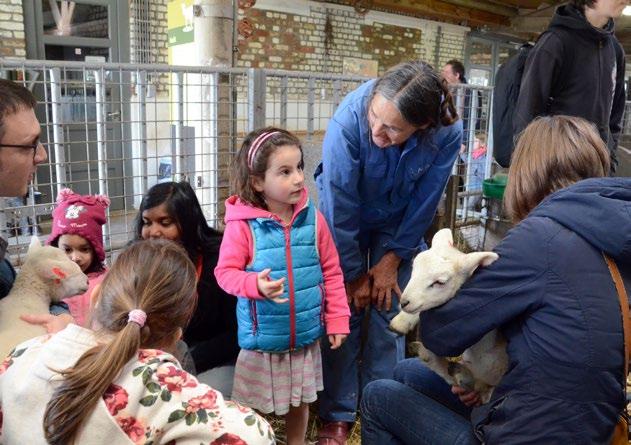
x,y
278,257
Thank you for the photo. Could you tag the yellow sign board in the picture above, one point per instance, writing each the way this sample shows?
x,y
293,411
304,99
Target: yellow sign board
x,y
180,22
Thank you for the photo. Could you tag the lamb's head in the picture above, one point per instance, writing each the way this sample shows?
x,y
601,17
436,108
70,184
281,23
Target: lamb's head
x,y
438,273
50,265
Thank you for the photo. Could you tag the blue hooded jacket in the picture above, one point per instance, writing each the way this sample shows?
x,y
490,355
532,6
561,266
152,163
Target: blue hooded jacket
x,y
362,187
551,294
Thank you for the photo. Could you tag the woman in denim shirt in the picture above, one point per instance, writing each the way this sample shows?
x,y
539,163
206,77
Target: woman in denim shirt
x,y
387,154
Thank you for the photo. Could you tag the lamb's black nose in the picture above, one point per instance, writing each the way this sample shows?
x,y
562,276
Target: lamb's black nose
x,y
404,303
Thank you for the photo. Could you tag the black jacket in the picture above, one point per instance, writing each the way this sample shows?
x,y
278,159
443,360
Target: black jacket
x,y
212,333
578,70
7,277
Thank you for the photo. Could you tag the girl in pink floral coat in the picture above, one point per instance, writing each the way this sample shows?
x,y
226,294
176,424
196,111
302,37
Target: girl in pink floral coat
x,y
116,384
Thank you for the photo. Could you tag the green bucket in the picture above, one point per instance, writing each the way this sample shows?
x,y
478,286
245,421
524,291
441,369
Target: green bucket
x,y
494,187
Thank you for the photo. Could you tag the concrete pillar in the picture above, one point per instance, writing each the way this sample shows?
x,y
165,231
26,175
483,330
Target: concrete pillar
x,y
213,28
213,36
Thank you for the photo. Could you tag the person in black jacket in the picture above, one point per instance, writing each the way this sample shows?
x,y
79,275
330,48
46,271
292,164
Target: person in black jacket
x,y
577,68
171,210
550,294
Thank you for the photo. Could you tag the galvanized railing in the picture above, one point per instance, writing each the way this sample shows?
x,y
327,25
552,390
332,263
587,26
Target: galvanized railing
x,y
118,129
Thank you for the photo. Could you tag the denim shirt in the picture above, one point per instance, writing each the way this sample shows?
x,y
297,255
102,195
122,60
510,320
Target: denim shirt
x,y
363,187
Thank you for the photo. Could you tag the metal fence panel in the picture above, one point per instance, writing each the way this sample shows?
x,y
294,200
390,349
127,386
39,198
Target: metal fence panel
x,y
118,129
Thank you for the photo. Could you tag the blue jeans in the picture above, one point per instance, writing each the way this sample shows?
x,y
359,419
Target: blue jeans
x,y
417,408
349,368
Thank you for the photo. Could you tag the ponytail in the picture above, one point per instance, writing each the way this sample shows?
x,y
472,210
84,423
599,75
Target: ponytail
x,y
85,383
419,93
448,113
158,278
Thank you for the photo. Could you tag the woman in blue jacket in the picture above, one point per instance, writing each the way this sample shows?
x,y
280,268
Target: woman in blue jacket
x,y
552,296
387,154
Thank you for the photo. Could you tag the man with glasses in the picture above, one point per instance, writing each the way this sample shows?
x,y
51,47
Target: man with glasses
x,y
20,153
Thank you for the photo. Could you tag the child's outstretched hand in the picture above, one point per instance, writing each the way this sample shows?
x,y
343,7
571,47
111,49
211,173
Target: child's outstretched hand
x,y
270,289
336,340
52,323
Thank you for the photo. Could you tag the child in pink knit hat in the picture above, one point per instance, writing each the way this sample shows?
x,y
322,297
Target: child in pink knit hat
x,y
78,231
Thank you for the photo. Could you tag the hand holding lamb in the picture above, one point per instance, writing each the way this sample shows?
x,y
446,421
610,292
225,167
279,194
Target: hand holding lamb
x,y
437,274
46,276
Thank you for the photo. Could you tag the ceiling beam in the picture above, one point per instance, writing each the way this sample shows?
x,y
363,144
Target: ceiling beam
x,y
485,6
442,11
530,24
524,4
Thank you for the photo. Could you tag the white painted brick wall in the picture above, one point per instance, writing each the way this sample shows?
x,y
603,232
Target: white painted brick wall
x,y
12,40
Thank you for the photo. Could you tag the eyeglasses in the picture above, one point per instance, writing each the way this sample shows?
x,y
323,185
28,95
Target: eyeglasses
x,y
33,147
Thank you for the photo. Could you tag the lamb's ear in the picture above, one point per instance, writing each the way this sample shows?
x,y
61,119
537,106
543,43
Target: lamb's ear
x,y
443,238
471,261
53,272
35,244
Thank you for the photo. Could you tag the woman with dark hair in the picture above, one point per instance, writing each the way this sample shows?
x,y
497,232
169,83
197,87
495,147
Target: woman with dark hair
x,y
171,210
550,293
387,154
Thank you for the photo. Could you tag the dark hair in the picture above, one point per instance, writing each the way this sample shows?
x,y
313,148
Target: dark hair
x,y
419,93
458,68
581,4
552,153
13,98
181,203
155,276
95,265
242,174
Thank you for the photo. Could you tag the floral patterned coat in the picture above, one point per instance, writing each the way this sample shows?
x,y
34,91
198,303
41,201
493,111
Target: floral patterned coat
x,y
153,401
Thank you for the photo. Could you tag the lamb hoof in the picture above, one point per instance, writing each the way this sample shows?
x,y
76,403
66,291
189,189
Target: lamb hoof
x,y
421,351
403,323
461,375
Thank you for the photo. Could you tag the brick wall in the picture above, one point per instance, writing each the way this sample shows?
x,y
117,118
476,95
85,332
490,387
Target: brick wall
x,y
312,36
12,43
451,46
148,31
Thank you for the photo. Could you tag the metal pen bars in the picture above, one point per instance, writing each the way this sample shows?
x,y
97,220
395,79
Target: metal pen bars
x,y
118,129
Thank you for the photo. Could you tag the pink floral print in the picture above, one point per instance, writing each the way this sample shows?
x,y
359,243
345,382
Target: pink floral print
x,y
5,364
153,401
228,439
174,379
133,427
144,355
115,399
205,401
8,361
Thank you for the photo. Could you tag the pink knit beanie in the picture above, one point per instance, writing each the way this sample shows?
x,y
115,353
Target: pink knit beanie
x,y
82,215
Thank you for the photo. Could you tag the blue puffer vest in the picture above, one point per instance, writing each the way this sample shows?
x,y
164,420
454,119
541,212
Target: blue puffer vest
x,y
290,252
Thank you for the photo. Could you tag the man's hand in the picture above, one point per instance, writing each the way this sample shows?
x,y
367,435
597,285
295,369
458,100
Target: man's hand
x,y
358,292
336,340
270,289
52,323
469,398
384,281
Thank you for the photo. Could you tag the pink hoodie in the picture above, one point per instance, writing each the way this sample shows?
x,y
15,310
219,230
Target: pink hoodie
x,y
237,250
79,305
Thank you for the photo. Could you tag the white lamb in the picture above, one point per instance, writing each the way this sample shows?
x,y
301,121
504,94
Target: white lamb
x,y
46,276
437,274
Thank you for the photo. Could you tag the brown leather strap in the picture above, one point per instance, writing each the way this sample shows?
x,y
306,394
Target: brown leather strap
x,y
624,308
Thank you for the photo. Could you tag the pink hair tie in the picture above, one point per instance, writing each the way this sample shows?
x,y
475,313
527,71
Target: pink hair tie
x,y
137,316
261,138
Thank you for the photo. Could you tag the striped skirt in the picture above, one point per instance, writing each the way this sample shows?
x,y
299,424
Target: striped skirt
x,y
271,382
